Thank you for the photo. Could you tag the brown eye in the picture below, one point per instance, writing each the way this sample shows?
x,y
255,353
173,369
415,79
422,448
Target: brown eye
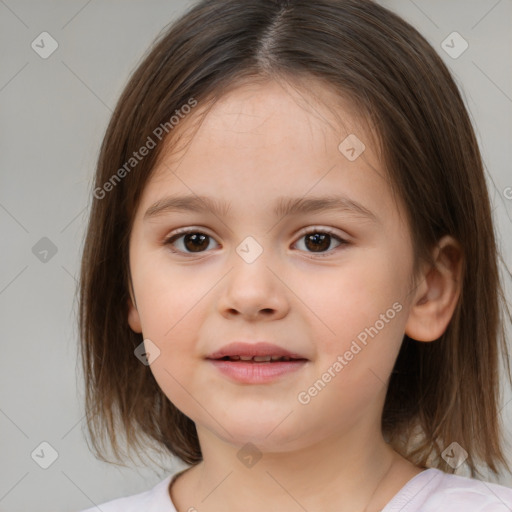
x,y
195,242
189,242
319,242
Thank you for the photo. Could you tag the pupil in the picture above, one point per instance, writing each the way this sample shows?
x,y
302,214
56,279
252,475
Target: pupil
x,y
321,241
197,242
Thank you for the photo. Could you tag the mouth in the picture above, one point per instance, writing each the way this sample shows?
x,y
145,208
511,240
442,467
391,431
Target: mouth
x,y
255,363
260,352
259,359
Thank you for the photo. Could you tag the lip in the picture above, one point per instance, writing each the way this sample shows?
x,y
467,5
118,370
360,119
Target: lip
x,y
251,372
247,372
260,348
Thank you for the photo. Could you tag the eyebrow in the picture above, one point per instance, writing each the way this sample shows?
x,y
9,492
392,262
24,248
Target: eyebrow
x,y
284,206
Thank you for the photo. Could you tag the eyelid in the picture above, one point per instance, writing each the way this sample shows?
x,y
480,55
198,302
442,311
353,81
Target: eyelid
x,y
321,229
342,238
177,233
189,229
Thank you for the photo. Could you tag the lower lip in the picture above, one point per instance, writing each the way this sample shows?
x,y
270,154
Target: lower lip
x,y
256,373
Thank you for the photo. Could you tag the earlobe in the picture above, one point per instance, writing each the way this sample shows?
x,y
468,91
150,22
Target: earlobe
x,y
133,314
438,293
133,317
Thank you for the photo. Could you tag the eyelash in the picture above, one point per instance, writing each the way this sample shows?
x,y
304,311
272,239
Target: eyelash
x,y
178,234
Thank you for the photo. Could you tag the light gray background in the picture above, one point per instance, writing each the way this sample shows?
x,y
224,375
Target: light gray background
x,y
53,115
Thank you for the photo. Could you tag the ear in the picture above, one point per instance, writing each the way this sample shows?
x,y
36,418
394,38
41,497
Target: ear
x,y
133,316
437,294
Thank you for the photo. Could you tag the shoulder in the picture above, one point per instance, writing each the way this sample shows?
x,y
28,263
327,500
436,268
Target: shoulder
x,y
469,494
155,499
436,491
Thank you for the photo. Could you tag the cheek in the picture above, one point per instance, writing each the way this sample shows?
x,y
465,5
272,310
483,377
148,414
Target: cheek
x,y
167,296
168,320
342,302
170,310
172,373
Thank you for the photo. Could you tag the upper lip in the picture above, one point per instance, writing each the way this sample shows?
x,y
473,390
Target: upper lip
x,y
253,349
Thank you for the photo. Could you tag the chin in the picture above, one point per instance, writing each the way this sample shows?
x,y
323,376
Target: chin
x,y
267,431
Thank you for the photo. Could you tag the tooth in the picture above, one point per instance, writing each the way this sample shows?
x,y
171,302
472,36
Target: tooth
x,y
245,358
234,358
262,358
276,358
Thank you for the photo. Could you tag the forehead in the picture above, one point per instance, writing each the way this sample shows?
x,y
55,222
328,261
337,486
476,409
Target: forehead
x,y
301,113
262,139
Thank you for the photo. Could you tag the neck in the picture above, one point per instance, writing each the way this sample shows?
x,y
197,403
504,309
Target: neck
x,y
357,472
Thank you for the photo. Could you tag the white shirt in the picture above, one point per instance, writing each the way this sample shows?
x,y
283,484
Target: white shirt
x,y
429,491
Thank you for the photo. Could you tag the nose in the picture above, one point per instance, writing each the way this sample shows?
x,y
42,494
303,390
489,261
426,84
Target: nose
x,y
254,291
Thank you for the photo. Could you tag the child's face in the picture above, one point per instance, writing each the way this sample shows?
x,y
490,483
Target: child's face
x,y
260,143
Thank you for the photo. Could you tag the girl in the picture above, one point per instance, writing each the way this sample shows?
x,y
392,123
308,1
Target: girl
x,y
290,276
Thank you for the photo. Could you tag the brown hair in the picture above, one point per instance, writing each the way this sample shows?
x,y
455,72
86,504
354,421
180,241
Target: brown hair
x,y
439,392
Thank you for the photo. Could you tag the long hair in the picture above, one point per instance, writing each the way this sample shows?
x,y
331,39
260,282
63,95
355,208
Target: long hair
x,y
439,392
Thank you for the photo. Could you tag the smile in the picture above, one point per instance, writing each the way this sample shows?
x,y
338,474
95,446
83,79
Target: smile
x,y
257,369
258,359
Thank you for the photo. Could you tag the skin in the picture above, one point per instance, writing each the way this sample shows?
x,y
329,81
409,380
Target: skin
x,y
259,142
